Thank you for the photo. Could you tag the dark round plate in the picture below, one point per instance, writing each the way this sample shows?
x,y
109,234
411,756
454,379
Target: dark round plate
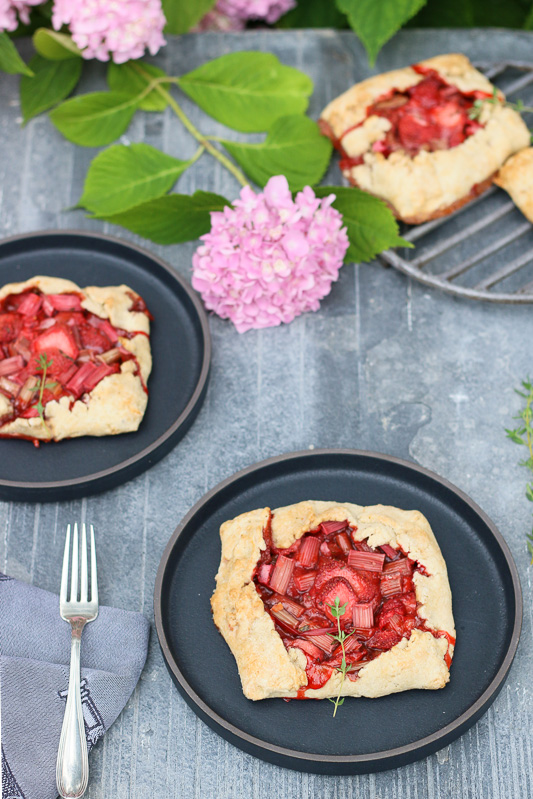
x,y
181,349
367,734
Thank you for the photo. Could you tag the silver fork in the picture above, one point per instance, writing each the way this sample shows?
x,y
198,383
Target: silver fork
x,y
72,768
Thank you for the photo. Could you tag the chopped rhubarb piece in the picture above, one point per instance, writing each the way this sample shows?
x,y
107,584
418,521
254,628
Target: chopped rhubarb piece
x,y
111,356
10,327
26,393
344,542
99,374
29,304
10,366
304,582
31,413
333,527
309,551
48,308
94,339
291,605
263,573
396,622
107,328
76,384
325,642
22,347
47,323
401,566
368,561
389,551
309,648
9,386
67,374
284,618
59,338
281,576
363,616
64,302
390,584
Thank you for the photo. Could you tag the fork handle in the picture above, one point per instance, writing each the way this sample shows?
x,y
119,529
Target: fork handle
x,y
72,767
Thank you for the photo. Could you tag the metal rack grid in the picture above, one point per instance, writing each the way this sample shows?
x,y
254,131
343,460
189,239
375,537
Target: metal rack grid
x,y
484,250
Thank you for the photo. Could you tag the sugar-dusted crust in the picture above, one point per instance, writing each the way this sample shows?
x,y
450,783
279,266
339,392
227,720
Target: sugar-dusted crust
x,y
516,177
118,402
267,669
430,184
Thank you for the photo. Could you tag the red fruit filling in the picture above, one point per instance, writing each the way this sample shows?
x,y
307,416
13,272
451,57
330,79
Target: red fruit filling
x,y
432,115
79,347
300,584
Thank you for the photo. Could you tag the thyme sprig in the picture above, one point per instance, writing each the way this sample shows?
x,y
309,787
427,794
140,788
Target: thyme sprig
x,y
43,365
477,108
523,435
338,610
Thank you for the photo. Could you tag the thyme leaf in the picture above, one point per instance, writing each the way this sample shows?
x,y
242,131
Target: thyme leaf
x,y
43,365
338,610
523,435
477,108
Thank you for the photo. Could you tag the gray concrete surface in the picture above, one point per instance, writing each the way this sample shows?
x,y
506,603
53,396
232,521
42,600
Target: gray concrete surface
x,y
384,365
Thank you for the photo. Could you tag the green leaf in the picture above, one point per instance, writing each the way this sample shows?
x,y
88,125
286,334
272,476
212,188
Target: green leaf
x,y
182,15
171,219
313,14
375,22
52,82
248,91
96,119
371,225
513,435
122,177
529,492
294,148
55,46
10,61
134,76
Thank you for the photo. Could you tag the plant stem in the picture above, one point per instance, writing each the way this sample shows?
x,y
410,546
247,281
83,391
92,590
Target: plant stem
x,y
193,130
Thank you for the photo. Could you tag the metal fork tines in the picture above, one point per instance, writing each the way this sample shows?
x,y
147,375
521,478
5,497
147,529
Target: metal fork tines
x,y
78,608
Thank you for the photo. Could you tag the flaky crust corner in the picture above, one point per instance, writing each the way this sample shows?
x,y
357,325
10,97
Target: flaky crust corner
x,y
269,670
516,177
117,404
431,184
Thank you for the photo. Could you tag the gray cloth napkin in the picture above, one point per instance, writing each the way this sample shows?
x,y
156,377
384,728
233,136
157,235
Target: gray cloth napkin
x,y
34,671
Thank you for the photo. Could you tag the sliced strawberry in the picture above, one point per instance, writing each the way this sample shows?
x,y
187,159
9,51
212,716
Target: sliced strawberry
x,y
309,648
64,302
59,338
60,362
337,588
30,304
10,327
384,639
94,339
364,585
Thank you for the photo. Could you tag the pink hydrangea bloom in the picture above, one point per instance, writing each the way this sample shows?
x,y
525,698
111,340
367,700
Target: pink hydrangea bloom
x,y
13,11
120,29
270,258
269,10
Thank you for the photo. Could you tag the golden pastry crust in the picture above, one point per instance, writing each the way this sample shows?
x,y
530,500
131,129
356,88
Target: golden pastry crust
x,y
516,177
430,184
267,669
118,402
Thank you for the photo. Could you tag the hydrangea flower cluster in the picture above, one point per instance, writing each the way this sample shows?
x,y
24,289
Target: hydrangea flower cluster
x,y
270,258
105,29
232,15
13,11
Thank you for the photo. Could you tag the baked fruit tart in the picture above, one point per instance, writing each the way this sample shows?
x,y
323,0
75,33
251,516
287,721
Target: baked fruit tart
x,y
73,362
408,136
291,579
516,177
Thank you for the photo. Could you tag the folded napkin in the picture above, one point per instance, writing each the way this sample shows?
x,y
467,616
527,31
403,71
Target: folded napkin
x,y
34,671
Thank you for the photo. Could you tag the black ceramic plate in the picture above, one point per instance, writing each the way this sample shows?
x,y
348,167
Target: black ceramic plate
x,y
367,734
181,349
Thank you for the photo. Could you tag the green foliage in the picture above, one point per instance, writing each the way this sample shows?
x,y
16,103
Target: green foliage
x,y
43,365
469,13
248,91
122,177
55,46
182,15
523,435
375,22
314,14
370,224
337,611
171,219
52,81
132,78
294,148
96,119
10,61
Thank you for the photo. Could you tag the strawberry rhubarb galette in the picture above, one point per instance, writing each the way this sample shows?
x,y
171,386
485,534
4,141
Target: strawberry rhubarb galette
x,y
324,600
414,138
73,362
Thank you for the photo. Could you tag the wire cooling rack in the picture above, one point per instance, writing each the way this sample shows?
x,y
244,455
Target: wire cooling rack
x,y
485,250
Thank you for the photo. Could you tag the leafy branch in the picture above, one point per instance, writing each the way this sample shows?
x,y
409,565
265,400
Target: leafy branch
x,y
477,108
523,435
338,610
